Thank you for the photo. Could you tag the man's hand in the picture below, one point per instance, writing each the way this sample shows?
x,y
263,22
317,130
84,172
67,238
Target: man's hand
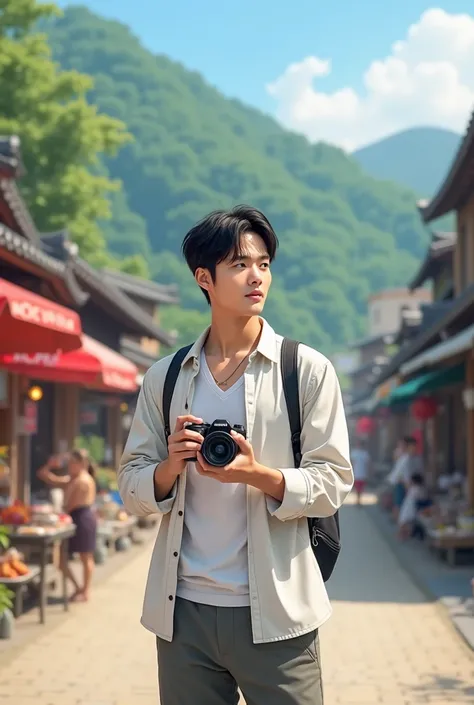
x,y
182,444
245,469
239,470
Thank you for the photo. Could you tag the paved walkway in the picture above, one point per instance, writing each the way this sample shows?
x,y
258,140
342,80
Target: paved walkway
x,y
385,644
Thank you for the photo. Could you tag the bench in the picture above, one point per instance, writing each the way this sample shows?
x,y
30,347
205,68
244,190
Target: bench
x,y
450,544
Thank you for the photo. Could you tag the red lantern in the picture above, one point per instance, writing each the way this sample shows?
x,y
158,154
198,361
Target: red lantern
x,y
365,425
424,408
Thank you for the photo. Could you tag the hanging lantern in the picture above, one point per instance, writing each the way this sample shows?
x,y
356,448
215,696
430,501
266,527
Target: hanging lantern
x,y
365,425
424,408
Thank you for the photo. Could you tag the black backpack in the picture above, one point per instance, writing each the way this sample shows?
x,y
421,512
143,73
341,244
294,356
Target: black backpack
x,y
324,532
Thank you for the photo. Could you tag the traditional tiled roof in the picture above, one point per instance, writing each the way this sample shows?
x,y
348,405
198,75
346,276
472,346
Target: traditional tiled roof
x,y
437,320
458,184
149,290
440,250
103,291
49,268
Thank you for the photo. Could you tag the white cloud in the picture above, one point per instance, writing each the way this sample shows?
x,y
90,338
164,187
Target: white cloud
x,y
428,79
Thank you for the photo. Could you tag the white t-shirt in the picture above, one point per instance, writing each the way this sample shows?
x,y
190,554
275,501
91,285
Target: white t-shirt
x,y
408,509
405,466
213,565
360,459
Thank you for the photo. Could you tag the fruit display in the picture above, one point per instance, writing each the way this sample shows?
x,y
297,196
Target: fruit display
x,y
15,514
34,519
12,566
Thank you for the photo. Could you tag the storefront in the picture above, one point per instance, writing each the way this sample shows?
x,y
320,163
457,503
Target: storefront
x,y
60,396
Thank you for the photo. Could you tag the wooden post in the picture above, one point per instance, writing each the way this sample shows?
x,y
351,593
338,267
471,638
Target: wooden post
x,y
114,435
470,433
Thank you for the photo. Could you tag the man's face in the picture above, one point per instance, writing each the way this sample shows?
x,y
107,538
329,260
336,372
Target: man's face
x,y
241,285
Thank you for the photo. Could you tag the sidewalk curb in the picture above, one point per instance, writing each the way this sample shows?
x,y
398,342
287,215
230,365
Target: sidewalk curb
x,y
448,609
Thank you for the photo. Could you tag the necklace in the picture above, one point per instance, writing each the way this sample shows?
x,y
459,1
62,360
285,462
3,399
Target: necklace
x,y
226,380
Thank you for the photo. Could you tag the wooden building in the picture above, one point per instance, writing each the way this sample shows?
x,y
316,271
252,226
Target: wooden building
x,y
62,326
439,361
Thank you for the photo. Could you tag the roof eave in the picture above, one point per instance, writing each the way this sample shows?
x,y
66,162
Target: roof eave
x,y
57,273
138,322
425,337
448,197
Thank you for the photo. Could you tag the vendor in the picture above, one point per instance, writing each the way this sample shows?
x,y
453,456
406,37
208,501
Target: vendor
x,y
79,497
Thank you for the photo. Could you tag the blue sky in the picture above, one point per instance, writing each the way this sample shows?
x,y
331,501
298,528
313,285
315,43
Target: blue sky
x,y
242,46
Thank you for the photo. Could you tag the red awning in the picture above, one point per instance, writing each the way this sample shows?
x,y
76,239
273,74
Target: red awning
x,y
29,322
93,365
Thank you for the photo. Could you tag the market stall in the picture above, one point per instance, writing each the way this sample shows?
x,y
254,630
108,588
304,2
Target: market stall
x,y
37,530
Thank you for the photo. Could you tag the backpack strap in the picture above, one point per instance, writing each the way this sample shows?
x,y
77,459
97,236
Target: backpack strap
x,y
170,383
289,373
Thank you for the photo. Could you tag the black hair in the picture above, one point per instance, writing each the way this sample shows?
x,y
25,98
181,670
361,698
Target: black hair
x,y
217,237
83,455
417,479
410,441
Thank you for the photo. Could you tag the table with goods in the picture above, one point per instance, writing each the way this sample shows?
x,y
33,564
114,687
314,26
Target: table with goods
x,y
115,527
37,530
449,525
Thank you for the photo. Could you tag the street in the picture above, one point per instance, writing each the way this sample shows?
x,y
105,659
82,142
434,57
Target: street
x,y
385,644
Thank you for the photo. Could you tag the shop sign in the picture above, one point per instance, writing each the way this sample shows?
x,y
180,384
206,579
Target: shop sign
x,y
32,313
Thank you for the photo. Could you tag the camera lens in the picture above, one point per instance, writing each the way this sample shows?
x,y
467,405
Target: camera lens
x,y
219,449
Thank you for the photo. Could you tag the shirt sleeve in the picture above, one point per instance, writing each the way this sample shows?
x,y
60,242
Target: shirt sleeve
x,y
146,447
325,477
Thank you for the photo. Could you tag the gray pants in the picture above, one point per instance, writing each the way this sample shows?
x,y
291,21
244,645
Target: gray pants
x,y
212,654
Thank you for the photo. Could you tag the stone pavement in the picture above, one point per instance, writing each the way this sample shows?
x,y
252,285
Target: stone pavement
x,y
385,644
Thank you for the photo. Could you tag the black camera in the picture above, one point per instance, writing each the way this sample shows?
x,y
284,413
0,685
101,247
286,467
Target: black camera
x,y
218,448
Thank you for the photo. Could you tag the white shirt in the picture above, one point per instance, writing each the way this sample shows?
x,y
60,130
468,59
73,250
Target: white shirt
x,y
213,565
408,509
287,594
400,470
360,463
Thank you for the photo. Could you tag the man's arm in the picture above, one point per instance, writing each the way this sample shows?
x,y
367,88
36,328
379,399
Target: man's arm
x,y
324,479
145,456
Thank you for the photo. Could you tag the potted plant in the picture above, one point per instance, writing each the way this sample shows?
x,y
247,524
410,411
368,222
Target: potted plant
x,y
6,595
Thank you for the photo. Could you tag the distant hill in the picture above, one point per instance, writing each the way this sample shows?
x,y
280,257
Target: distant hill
x,y
343,233
418,158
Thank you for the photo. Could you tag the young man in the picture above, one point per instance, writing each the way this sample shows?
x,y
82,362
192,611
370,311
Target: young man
x,y
235,595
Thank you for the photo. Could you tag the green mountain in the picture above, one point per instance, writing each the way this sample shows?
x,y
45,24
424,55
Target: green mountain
x,y
418,158
343,234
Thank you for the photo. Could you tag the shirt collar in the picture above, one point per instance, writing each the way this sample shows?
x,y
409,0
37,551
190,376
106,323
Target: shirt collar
x,y
267,345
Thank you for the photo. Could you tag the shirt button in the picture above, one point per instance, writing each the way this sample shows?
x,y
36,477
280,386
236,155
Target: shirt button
x,y
170,597
180,513
175,554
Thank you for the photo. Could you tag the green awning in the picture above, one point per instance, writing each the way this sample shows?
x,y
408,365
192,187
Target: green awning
x,y
426,383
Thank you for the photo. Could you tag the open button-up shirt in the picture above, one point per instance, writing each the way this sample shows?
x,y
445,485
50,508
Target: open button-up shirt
x,y
287,593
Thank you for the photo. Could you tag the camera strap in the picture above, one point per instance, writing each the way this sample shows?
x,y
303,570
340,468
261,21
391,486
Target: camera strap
x,y
170,382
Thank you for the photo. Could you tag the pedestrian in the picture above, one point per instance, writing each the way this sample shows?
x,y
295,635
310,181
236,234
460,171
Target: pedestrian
x,y
407,464
416,499
361,463
79,497
235,595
